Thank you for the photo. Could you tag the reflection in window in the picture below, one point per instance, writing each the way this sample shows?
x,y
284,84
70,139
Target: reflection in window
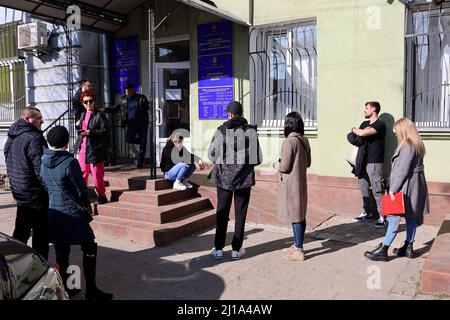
x,y
284,73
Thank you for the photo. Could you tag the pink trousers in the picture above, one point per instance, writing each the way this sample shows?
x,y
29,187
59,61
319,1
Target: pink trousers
x,y
98,174
97,169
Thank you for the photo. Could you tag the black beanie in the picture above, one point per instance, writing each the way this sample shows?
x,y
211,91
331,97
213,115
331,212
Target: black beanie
x,y
58,137
235,108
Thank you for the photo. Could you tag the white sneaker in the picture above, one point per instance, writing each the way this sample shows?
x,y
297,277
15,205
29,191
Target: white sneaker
x,y
217,254
237,255
187,184
178,185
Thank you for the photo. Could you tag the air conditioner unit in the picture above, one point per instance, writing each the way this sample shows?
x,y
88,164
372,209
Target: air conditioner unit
x,y
32,35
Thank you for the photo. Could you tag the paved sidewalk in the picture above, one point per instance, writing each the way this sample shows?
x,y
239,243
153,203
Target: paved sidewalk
x,y
335,267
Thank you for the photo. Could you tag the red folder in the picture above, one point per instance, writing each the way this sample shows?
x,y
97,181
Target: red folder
x,y
396,207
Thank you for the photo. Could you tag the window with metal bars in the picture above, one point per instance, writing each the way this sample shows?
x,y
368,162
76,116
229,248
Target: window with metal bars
x,y
12,74
283,73
427,94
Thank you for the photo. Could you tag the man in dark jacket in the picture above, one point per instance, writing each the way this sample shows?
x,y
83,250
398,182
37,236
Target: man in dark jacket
x,y
234,151
134,115
23,151
369,161
86,85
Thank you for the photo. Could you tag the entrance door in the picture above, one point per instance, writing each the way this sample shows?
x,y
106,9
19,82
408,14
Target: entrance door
x,y
172,103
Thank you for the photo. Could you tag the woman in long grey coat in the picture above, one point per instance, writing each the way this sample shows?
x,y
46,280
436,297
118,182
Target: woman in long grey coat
x,y
407,176
292,195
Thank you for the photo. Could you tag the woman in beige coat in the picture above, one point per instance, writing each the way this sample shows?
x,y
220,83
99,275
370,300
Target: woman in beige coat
x,y
292,184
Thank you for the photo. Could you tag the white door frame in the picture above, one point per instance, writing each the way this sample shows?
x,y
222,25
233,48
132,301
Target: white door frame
x,y
161,141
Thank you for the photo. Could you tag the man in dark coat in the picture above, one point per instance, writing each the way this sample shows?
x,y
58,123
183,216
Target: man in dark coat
x,y
134,116
86,85
234,151
23,151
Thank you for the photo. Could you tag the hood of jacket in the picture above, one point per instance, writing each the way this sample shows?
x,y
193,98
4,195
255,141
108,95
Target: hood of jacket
x,y
20,127
235,122
53,158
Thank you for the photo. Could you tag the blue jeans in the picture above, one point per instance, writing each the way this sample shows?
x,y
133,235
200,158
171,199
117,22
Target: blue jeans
x,y
180,172
393,223
299,229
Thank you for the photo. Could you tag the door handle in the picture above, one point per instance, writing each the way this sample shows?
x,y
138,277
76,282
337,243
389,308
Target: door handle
x,y
159,117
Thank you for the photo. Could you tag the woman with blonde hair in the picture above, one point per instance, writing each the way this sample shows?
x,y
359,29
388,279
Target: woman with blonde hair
x,y
407,176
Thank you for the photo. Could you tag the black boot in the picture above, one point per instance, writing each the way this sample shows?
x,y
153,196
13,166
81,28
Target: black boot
x,y
406,250
62,259
379,254
89,265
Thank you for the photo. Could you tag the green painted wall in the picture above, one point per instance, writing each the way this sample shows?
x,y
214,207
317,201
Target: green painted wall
x,y
360,48
203,130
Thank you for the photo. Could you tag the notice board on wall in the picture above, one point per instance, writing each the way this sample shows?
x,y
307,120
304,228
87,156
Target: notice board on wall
x,y
215,69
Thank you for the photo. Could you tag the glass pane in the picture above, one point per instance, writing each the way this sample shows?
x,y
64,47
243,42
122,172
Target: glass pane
x,y
428,103
172,52
26,270
173,95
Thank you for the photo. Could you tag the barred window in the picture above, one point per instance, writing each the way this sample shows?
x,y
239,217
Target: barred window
x,y
427,100
283,73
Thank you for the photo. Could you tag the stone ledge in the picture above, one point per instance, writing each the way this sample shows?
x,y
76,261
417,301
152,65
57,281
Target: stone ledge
x,y
436,271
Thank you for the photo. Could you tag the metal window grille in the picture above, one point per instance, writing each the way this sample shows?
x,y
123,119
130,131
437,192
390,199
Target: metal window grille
x,y
12,74
427,42
283,73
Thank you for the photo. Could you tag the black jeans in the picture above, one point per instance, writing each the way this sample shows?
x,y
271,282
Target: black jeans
x,y
28,219
89,249
241,201
137,134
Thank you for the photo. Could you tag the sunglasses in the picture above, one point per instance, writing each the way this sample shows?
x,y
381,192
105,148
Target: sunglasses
x,y
88,101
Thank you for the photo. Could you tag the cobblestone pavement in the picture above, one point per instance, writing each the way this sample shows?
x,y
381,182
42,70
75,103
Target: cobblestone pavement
x,y
335,267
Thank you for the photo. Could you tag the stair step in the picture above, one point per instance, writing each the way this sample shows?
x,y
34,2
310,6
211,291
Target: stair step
x,y
187,226
109,192
152,234
155,214
124,180
140,232
157,198
145,183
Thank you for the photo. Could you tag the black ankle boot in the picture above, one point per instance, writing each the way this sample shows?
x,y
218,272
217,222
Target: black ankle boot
x,y
89,266
379,254
401,252
406,250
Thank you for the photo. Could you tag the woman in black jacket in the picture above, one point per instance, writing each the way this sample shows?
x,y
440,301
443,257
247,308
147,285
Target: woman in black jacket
x,y
92,144
177,163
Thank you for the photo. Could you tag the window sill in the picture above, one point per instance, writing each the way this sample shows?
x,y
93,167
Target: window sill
x,y
435,134
309,132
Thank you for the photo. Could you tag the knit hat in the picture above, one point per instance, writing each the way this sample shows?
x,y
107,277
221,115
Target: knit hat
x,y
235,108
58,137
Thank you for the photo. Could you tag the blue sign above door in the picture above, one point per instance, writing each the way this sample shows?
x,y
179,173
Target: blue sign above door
x,y
215,69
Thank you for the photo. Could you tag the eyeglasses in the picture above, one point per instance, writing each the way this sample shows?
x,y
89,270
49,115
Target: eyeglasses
x,y
88,101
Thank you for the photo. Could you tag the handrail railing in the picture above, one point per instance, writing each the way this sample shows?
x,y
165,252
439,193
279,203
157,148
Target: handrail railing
x,y
68,121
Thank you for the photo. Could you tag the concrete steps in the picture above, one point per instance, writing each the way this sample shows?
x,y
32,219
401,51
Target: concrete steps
x,y
148,211
153,233
151,213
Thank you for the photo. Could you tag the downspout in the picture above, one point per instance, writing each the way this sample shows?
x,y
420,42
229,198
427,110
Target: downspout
x,y
251,11
104,49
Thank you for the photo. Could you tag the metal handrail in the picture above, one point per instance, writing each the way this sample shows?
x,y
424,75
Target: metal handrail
x,y
56,121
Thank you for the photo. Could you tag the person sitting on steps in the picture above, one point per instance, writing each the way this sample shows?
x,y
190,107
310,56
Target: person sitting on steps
x,y
178,164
